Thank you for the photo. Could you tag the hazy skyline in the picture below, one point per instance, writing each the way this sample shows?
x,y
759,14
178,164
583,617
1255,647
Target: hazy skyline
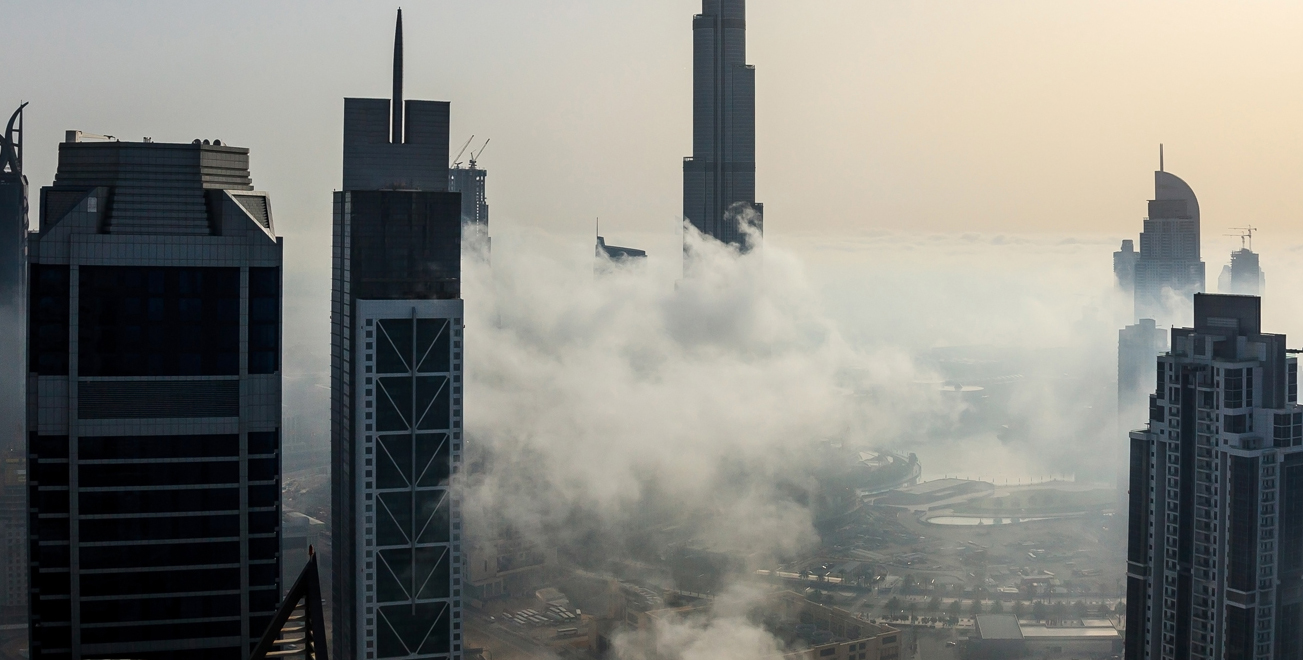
x,y
998,117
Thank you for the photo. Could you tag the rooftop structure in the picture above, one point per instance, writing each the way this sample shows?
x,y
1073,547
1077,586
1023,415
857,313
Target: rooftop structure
x,y
617,253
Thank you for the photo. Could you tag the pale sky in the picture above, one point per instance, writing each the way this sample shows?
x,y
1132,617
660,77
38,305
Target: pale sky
x,y
993,116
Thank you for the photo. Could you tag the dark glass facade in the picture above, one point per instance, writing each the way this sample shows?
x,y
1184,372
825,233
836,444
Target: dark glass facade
x,y
159,321
154,443
405,245
48,320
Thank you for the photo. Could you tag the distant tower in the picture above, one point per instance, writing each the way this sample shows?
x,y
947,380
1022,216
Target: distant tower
x,y
719,179
1169,248
470,182
1124,266
1243,275
13,270
396,378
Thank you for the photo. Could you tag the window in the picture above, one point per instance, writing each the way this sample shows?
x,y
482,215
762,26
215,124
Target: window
x,y
1235,388
48,319
1236,423
264,320
158,321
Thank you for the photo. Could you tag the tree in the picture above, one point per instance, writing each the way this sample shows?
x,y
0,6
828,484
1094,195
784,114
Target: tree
x,y
1059,610
1079,608
911,607
1040,610
893,605
934,604
976,607
954,608
997,607
1019,608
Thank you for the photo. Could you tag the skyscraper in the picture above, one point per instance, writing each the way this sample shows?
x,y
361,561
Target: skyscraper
x,y
13,271
396,365
1124,266
1215,548
470,182
154,404
1169,249
719,179
1243,275
13,373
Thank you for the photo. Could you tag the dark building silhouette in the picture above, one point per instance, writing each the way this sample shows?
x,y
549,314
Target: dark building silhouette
x,y
617,253
470,182
1243,275
298,629
719,179
1215,548
1124,266
154,404
396,364
1169,249
13,271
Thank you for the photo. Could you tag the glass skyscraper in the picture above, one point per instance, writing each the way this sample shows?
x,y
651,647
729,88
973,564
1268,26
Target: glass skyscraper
x,y
396,379
154,404
719,179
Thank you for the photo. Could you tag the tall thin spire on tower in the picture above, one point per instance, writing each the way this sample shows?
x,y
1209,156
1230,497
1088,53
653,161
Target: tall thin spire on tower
x,y
1160,157
397,124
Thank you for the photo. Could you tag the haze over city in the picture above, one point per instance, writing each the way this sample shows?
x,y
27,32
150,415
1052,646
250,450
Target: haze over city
x,y
902,328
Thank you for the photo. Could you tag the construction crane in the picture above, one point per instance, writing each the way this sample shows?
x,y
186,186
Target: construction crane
x,y
475,155
456,162
1245,236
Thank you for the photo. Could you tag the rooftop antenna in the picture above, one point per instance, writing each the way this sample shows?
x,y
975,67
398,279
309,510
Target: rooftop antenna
x,y
397,137
457,161
1160,157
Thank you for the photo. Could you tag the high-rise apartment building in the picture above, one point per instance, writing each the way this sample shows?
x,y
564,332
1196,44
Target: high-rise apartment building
x,y
396,379
1215,548
13,277
719,179
154,404
1169,265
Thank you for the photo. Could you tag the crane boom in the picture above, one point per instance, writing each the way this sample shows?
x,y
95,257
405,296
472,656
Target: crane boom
x,y
475,155
457,161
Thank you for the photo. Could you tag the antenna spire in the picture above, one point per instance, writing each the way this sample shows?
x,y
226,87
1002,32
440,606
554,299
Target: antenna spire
x,y
1160,157
397,124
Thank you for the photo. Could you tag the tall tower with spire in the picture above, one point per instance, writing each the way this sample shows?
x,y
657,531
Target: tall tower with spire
x,y
396,365
1169,265
719,179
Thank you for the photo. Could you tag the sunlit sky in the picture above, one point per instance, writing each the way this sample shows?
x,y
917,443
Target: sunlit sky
x,y
993,116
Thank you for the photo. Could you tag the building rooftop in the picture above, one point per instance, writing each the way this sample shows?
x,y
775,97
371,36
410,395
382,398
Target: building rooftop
x,y
998,626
